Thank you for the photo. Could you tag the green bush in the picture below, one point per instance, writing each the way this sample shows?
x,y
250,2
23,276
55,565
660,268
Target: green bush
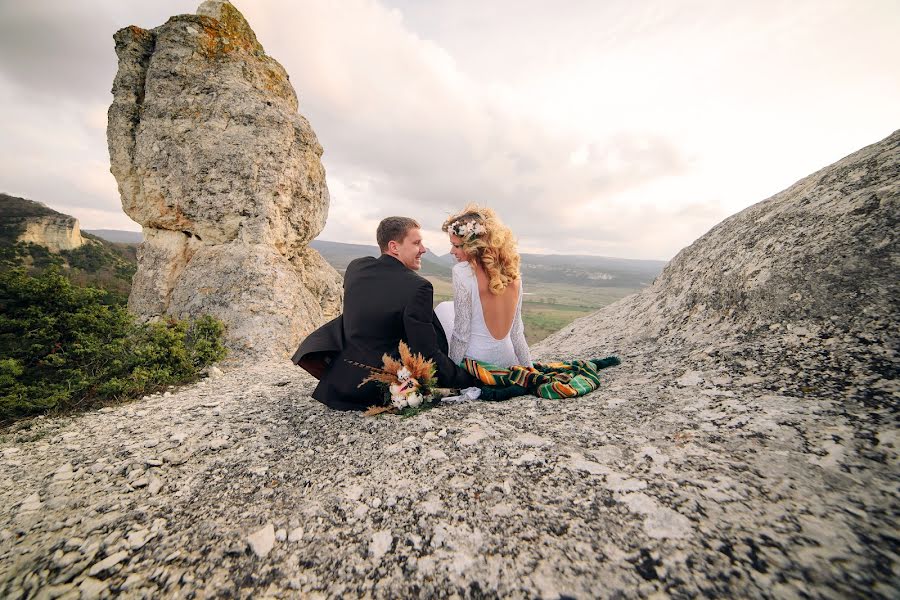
x,y
64,347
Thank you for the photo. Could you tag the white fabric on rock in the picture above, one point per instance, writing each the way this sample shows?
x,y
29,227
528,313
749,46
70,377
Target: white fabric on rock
x,y
467,331
466,395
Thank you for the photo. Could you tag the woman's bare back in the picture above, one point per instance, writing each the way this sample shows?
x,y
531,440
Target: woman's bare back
x,y
498,311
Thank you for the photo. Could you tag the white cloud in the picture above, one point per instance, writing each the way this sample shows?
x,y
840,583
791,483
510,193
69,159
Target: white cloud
x,y
611,128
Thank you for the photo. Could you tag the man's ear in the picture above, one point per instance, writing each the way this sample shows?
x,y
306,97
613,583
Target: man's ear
x,y
392,247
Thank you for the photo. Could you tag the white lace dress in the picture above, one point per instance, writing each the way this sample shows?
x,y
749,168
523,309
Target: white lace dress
x,y
467,332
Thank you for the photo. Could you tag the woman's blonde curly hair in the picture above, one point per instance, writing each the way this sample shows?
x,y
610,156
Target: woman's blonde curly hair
x,y
489,242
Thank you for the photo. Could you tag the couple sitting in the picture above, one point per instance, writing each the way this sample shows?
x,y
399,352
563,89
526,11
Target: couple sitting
x,y
385,301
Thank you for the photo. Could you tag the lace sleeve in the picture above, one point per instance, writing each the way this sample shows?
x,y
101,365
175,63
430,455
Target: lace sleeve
x,y
517,335
462,321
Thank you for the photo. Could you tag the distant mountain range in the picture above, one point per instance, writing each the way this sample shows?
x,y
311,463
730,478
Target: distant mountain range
x,y
590,271
117,235
339,256
36,237
567,269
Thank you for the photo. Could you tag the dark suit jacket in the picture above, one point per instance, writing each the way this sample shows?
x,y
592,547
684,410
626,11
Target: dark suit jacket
x,y
384,302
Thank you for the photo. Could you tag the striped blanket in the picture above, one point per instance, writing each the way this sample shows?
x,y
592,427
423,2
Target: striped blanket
x,y
553,380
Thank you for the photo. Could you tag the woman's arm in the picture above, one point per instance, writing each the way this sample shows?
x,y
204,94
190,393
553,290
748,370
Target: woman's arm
x,y
422,337
462,320
517,335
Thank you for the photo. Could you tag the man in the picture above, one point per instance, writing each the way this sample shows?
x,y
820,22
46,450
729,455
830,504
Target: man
x,y
385,301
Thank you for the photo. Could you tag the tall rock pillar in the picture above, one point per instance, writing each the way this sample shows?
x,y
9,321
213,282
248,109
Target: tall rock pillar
x,y
213,159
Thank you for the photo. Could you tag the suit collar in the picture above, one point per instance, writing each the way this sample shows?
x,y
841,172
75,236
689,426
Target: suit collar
x,y
392,261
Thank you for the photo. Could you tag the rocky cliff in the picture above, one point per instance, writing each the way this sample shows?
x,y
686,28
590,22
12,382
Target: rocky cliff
x,y
798,293
29,221
214,161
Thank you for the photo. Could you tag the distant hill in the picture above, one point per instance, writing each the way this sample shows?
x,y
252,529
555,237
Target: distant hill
x,y
16,214
578,270
569,269
119,236
37,237
591,271
15,207
339,256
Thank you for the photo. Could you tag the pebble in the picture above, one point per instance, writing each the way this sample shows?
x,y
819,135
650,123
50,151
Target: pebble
x,y
526,459
263,540
437,454
92,589
132,581
155,485
63,473
108,562
530,440
473,435
380,544
218,443
137,539
32,502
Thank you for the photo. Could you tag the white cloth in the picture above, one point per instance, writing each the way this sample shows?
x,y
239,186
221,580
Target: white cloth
x,y
466,395
467,332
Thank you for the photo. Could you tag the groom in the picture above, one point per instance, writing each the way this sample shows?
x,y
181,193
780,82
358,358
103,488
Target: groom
x,y
385,301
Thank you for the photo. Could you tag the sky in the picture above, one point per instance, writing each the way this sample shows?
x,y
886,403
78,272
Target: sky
x,y
623,128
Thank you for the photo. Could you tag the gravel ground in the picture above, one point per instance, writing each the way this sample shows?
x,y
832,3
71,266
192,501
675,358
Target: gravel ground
x,y
655,485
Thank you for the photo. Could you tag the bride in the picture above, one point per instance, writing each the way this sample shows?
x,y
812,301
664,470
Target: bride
x,y
484,321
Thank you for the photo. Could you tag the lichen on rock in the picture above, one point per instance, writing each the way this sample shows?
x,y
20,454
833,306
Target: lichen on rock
x,y
213,159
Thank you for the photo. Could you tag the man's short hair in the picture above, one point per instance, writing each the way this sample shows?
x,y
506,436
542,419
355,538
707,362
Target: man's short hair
x,y
394,229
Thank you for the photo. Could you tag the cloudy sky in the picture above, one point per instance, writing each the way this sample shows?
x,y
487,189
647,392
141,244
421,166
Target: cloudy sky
x,y
613,127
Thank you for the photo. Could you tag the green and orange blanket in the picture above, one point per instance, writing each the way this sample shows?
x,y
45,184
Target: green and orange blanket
x,y
552,380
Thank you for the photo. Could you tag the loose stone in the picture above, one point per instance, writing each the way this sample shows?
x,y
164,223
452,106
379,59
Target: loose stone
x,y
263,540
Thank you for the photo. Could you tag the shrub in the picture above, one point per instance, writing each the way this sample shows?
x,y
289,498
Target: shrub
x,y
64,347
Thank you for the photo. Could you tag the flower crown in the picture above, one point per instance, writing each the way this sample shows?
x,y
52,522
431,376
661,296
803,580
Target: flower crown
x,y
467,230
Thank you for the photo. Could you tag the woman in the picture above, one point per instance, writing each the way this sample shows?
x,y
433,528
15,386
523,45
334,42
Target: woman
x,y
484,321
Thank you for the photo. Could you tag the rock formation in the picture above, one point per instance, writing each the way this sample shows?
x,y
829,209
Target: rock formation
x,y
799,290
30,221
214,161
